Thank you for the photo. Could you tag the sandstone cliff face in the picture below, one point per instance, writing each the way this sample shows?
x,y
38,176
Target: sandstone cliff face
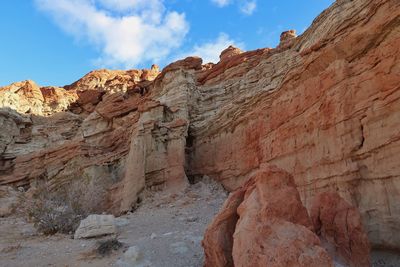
x,y
324,106
326,109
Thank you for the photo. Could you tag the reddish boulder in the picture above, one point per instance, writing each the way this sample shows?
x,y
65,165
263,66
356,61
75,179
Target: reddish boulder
x,y
339,224
269,224
272,193
218,239
278,243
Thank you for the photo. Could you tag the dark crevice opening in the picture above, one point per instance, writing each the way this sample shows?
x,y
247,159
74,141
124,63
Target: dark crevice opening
x,y
189,150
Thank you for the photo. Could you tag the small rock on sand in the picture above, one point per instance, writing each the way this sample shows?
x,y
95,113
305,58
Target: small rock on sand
x,y
96,225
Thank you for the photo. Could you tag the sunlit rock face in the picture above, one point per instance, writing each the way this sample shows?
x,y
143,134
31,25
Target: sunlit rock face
x,y
264,223
323,106
327,110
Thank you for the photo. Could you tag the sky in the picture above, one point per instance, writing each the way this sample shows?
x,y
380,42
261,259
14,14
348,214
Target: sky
x,y
56,42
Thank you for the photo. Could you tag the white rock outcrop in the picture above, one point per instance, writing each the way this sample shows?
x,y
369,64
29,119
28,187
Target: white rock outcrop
x,y
96,225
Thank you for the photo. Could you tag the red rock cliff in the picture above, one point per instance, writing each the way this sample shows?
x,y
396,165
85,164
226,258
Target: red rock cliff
x,y
326,109
323,106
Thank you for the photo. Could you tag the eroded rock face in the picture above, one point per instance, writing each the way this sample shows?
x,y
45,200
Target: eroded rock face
x,y
28,98
264,224
324,106
339,224
88,136
325,109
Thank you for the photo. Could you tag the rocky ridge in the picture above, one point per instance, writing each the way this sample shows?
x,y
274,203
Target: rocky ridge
x,y
323,106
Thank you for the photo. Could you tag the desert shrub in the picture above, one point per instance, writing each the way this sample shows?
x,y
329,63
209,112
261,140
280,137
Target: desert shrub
x,y
107,246
61,210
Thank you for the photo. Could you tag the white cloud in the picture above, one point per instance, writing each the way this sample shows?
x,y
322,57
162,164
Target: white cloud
x,y
127,32
210,51
148,10
221,3
248,7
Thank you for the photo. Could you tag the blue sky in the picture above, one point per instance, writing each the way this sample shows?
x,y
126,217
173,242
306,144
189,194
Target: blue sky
x,y
55,42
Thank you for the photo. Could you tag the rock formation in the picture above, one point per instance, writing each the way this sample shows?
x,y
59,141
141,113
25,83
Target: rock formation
x,y
323,106
264,224
326,109
339,224
96,225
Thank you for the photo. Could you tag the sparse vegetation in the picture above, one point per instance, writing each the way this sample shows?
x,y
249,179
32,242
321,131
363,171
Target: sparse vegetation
x,y
106,247
61,210
12,248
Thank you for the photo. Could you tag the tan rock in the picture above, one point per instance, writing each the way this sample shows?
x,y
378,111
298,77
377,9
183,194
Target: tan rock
x,y
288,35
230,52
95,226
151,74
28,98
287,40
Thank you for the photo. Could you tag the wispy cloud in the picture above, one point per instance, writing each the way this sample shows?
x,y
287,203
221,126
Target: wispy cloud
x,y
221,3
127,32
211,50
247,7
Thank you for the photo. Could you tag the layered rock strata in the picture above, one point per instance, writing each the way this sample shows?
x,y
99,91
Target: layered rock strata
x,y
324,106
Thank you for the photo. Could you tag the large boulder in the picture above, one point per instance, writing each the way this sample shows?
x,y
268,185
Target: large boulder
x,y
95,226
264,224
218,239
278,243
339,225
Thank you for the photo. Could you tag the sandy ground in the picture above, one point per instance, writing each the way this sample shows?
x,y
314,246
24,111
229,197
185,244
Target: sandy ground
x,y
166,229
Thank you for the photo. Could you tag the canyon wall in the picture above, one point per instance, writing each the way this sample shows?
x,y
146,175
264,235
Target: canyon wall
x,y
324,106
327,110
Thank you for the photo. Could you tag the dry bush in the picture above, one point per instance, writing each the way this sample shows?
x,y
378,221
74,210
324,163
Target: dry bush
x,y
12,248
102,249
61,210
107,246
